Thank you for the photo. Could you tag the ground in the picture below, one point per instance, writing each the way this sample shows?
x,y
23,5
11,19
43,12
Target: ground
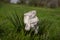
x,y
8,32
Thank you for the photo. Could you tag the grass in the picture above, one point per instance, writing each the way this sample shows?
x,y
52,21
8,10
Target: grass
x,y
12,26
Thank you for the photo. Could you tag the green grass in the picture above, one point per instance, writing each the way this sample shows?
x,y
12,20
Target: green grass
x,y
11,14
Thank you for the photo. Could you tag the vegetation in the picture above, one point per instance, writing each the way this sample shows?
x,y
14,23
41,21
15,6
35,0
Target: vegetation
x,y
43,3
12,26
